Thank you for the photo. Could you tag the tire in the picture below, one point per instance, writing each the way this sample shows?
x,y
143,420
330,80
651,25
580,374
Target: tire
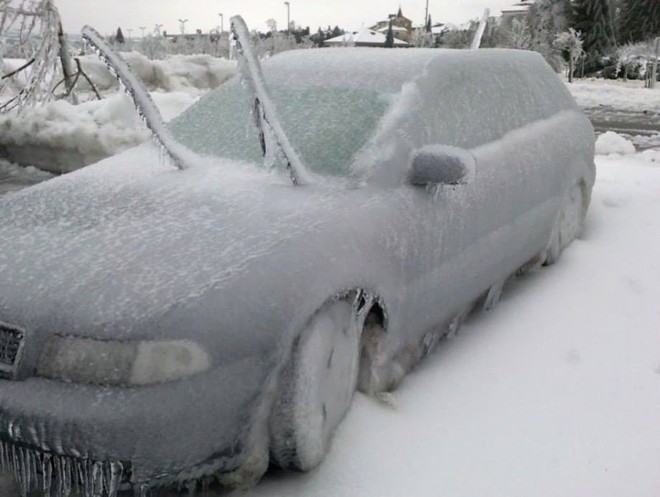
x,y
568,225
317,387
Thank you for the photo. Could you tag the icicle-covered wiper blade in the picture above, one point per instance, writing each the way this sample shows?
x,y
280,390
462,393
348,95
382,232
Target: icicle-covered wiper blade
x,y
265,115
476,41
180,155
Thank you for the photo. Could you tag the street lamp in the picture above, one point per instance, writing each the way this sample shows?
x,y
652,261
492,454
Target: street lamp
x,y
288,22
182,24
222,23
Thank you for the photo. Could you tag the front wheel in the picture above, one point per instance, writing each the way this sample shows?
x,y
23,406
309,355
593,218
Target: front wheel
x,y
317,387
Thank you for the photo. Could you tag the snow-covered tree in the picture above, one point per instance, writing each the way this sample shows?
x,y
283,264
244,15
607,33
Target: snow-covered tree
x,y
570,44
30,30
593,19
389,38
422,38
639,20
119,37
519,35
547,19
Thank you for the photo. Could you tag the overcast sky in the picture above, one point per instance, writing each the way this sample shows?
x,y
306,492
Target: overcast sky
x,y
107,15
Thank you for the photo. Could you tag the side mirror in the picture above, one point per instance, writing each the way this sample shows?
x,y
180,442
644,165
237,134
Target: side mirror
x,y
442,165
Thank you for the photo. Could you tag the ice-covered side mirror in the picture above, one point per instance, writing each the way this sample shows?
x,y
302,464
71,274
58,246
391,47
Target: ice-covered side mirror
x,y
442,165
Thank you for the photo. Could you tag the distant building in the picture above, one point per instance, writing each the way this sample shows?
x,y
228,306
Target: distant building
x,y
363,38
402,27
517,11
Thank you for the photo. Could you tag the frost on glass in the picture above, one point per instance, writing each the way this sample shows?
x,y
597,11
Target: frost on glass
x,y
29,32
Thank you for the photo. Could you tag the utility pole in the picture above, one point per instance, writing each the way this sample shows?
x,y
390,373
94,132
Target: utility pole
x,y
426,16
143,28
288,17
157,29
182,25
654,70
222,23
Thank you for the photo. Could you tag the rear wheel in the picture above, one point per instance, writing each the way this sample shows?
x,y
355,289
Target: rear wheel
x,y
567,226
317,387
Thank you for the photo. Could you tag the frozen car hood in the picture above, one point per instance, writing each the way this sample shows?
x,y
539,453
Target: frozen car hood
x,y
128,239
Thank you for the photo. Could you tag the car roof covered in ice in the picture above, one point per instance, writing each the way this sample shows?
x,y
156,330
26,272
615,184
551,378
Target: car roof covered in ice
x,y
384,70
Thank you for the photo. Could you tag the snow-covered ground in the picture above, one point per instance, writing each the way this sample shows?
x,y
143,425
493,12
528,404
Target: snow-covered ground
x,y
622,95
556,392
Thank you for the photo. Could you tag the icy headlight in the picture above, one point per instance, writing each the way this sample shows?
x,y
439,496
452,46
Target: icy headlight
x,y
85,360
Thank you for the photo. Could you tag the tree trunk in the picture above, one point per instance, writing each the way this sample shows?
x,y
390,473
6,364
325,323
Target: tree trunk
x,y
654,70
570,68
67,66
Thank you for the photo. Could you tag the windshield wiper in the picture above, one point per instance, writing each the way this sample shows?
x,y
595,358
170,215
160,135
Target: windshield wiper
x,y
181,156
271,133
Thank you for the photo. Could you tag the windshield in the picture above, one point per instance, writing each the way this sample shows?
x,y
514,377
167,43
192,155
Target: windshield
x,y
326,125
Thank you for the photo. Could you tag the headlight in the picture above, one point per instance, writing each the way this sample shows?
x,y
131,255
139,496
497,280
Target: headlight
x,y
85,360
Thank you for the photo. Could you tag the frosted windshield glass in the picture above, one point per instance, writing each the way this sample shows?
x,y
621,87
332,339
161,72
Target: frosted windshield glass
x,y
327,125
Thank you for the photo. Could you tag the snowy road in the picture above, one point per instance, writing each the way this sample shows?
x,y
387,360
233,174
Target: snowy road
x,y
556,392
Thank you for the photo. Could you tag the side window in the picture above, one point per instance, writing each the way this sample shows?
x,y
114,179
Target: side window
x,y
480,99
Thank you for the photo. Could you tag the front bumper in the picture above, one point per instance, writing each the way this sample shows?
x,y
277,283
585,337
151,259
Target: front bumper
x,y
154,435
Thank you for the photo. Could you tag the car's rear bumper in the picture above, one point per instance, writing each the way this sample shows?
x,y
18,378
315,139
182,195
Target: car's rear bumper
x,y
157,435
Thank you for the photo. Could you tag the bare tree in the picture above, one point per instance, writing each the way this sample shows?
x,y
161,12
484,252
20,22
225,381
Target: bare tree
x,y
570,44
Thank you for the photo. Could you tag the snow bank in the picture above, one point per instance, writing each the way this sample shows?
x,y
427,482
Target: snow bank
x,y
612,143
14,177
60,137
650,156
627,96
176,73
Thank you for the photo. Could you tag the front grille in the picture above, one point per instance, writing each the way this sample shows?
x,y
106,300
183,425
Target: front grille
x,y
11,346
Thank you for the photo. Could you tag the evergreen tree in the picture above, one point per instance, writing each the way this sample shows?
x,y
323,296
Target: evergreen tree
x,y
389,39
593,19
639,20
119,38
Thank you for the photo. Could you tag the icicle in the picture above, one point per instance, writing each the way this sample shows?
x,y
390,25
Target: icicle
x,y
141,490
116,473
66,477
46,474
98,480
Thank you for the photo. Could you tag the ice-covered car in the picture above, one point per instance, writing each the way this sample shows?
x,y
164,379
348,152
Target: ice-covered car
x,y
161,325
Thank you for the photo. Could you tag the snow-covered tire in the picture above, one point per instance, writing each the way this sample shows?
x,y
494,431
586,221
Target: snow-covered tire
x,y
568,225
317,387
